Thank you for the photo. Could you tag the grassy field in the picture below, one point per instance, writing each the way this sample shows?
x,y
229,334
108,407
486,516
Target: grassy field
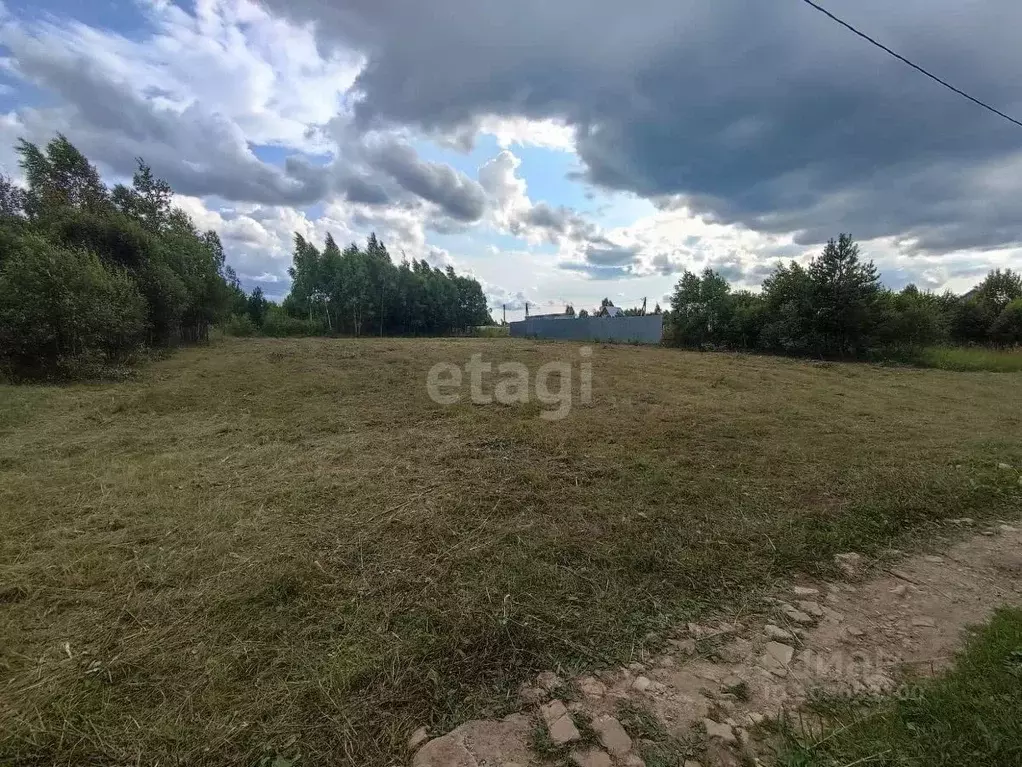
x,y
970,716
284,547
970,359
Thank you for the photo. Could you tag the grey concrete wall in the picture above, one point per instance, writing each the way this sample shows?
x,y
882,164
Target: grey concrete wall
x,y
646,330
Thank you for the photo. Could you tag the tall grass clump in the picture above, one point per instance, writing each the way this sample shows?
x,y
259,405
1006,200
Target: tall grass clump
x,y
970,359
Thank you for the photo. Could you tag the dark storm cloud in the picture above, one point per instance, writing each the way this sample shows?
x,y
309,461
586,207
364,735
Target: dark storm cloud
x,y
599,272
734,270
547,217
457,195
766,114
604,260
358,189
559,221
611,255
665,265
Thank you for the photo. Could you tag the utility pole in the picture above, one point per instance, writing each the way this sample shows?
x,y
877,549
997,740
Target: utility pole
x,y
504,307
643,305
526,310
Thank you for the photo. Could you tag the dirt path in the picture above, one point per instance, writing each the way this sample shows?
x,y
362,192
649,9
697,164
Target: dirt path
x,y
720,680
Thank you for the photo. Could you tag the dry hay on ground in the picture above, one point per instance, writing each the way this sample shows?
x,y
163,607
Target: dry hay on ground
x,y
264,548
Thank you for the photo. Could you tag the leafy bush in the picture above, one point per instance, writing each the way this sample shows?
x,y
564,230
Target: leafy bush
x,y
910,320
240,325
62,309
837,308
278,324
1007,328
91,274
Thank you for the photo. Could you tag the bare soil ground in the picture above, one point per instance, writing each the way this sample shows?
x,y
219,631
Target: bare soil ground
x,y
721,683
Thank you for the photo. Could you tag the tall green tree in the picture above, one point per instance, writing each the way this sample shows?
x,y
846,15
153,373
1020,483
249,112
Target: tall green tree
x,y
60,178
360,290
1007,328
999,288
128,261
305,276
843,297
788,320
148,200
257,305
699,309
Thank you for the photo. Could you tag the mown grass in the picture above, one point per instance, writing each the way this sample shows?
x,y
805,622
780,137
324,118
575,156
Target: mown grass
x,y
970,716
969,359
285,548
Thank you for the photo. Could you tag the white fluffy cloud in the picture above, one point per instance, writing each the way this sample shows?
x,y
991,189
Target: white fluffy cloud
x,y
506,190
193,98
231,57
521,131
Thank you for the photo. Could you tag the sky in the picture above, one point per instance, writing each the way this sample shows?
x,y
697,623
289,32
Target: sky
x,y
559,152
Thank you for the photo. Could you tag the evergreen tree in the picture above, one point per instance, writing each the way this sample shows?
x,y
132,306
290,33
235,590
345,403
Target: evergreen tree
x,y
257,305
843,297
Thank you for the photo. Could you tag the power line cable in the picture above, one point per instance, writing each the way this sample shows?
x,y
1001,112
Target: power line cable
x,y
916,67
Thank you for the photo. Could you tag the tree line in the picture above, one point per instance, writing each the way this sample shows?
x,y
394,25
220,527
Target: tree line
x,y
836,307
360,291
89,276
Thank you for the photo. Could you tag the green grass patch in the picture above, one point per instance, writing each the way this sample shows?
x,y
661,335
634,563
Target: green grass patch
x,y
971,715
655,744
970,359
491,331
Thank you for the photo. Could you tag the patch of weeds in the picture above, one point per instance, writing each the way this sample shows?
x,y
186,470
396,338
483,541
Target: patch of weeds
x,y
963,359
970,715
589,738
657,747
739,690
710,647
544,747
1014,663
566,692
